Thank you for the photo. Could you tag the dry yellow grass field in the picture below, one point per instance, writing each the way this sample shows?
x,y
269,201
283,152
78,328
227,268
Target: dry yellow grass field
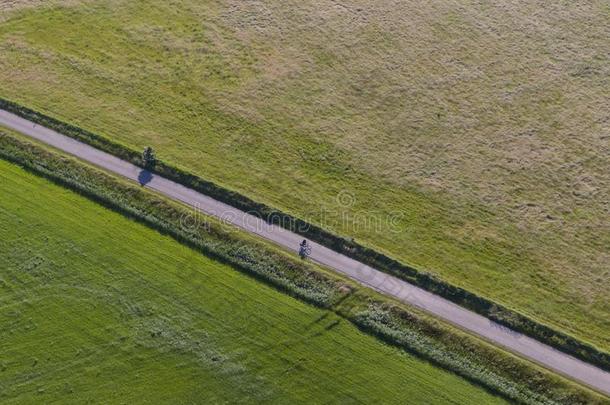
x,y
486,124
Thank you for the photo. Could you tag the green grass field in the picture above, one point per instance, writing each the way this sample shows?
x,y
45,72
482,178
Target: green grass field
x,y
97,308
483,124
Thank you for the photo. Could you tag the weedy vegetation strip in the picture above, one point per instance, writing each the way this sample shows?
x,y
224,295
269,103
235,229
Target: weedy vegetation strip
x,y
494,311
471,358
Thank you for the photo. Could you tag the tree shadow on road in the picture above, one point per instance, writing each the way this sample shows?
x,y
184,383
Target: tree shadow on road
x,y
144,177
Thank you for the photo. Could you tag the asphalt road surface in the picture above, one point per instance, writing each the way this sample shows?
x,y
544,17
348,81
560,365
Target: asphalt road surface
x,y
363,274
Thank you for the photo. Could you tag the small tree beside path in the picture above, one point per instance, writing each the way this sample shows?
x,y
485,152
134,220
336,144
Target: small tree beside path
x,y
148,157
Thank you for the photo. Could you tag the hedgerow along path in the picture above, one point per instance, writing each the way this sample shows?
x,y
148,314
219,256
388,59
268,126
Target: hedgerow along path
x,y
366,275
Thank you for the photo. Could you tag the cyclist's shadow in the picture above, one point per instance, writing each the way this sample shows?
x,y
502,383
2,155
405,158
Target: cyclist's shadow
x,y
144,177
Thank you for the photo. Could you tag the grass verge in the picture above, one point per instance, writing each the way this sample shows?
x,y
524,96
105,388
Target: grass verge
x,y
477,361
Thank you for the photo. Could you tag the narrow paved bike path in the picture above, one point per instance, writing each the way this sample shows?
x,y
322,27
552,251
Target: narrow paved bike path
x,y
366,275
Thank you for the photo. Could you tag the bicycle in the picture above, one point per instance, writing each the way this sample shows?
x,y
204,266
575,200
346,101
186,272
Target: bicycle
x,y
304,250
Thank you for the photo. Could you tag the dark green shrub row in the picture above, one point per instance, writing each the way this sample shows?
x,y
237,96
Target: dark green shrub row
x,y
465,357
495,370
483,306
